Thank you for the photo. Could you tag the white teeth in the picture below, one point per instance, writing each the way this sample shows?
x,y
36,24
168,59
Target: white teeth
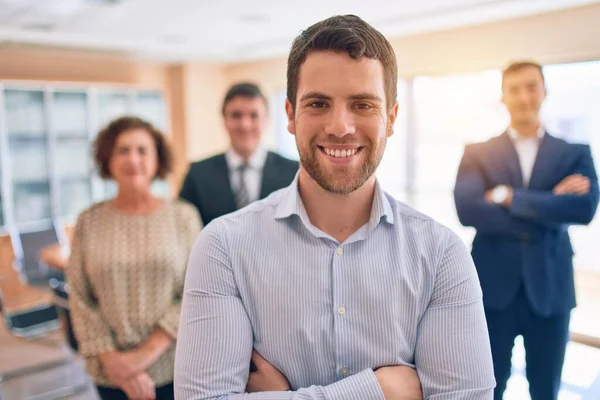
x,y
340,153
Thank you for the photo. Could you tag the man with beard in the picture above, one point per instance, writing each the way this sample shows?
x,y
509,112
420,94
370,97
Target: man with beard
x,y
332,287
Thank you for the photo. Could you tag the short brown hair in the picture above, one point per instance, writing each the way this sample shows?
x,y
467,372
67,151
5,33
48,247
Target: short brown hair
x,y
243,89
348,34
517,66
107,138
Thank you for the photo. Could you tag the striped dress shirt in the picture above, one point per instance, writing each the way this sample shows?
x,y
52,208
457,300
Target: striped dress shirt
x,y
402,290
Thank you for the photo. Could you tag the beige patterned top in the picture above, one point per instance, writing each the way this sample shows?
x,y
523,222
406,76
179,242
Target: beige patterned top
x,y
126,276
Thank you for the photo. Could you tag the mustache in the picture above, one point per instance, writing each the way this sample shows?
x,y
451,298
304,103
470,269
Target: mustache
x,y
337,141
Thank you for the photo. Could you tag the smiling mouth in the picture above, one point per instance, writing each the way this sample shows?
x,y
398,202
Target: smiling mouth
x,y
340,153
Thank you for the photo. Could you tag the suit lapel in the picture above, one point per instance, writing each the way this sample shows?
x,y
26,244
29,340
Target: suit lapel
x,y
223,189
549,149
269,177
510,158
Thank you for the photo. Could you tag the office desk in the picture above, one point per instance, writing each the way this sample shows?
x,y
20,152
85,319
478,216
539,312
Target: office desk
x,y
20,379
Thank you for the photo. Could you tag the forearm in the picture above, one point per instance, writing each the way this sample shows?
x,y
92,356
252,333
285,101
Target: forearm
x,y
490,218
362,386
545,207
155,346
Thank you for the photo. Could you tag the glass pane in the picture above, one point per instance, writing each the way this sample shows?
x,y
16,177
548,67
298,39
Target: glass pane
x,y
32,201
25,112
73,169
110,189
151,107
452,111
285,141
73,158
75,196
111,106
393,167
69,114
27,145
161,188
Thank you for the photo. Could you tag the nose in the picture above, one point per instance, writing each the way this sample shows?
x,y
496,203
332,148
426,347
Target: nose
x,y
523,97
246,122
340,122
134,158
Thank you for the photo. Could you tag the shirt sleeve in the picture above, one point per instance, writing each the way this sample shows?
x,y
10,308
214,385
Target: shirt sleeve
x,y
453,355
93,334
215,340
189,220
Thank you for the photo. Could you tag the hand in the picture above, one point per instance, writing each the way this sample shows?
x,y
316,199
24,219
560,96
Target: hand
x,y
139,387
53,256
267,378
122,366
573,184
399,383
507,202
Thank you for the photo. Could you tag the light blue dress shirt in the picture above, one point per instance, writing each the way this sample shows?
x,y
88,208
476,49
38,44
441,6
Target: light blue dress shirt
x,y
402,290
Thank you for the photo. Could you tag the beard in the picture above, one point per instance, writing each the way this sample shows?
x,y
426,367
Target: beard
x,y
343,180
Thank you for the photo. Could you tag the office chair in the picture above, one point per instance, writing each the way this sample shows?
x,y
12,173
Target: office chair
x,y
60,291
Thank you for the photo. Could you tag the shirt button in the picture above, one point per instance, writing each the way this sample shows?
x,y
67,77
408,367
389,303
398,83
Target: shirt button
x,y
340,251
341,310
345,372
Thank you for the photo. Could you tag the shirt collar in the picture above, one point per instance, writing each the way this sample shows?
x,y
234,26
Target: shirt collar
x,y
514,136
291,204
256,161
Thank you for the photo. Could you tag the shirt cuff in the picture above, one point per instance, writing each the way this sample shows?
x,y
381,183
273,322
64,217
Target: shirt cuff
x,y
362,386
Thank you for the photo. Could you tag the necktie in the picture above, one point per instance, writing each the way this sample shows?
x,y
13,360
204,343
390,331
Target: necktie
x,y
242,198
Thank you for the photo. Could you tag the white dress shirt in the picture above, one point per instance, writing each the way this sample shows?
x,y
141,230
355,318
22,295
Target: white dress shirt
x,y
527,149
253,175
402,290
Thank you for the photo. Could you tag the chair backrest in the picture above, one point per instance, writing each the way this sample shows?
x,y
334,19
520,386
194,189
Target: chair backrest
x,y
27,244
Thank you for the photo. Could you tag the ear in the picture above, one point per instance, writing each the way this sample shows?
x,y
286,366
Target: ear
x,y
289,110
392,115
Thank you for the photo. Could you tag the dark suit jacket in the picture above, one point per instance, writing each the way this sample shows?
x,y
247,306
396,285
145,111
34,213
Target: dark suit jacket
x,y
529,242
207,184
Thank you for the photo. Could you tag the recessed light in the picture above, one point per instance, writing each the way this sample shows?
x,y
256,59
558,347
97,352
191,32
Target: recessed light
x,y
254,18
38,27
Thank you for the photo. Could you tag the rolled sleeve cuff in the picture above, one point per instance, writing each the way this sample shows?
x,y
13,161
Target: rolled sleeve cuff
x,y
91,348
362,386
170,323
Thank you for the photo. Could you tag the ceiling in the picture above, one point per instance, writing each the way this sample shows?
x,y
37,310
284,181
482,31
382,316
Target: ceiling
x,y
231,30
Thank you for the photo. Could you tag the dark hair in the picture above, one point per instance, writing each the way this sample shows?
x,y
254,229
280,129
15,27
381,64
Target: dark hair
x,y
517,66
348,34
107,138
243,89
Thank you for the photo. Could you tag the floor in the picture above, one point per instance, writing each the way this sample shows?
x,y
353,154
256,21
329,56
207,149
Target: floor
x,y
581,374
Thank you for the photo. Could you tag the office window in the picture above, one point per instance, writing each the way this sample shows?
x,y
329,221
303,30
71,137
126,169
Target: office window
x,y
450,112
572,111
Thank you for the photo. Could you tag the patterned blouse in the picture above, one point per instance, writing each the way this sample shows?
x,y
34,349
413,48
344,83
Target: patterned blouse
x,y
126,276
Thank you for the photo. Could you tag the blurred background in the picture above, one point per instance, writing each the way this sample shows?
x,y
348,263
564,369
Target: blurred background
x,y
67,67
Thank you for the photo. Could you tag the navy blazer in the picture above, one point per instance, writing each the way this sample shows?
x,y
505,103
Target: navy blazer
x,y
529,242
207,184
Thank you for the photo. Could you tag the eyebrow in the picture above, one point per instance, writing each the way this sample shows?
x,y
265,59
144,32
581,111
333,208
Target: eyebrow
x,y
359,96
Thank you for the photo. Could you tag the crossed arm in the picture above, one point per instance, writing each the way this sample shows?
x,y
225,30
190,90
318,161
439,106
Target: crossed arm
x,y
573,201
215,343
